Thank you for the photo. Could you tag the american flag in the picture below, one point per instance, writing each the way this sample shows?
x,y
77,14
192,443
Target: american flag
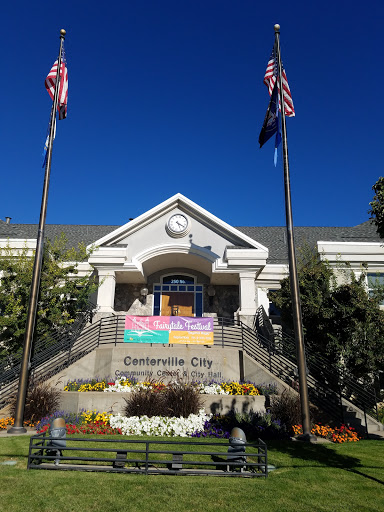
x,y
50,82
270,78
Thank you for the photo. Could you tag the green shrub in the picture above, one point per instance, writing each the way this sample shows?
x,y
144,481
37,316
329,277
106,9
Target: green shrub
x,y
380,412
254,425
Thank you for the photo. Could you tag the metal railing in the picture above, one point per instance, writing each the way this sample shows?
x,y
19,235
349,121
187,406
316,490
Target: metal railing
x,y
326,382
276,352
278,360
148,457
49,355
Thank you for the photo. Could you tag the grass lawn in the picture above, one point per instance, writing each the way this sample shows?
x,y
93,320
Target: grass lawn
x,y
329,477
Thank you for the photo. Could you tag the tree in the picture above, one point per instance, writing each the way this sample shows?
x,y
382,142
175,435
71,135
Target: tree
x,y
358,328
377,206
63,293
341,321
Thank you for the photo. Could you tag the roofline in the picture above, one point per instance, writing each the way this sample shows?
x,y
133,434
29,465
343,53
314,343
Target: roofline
x,y
167,205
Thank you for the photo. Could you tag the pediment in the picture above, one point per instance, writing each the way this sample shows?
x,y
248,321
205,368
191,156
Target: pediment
x,y
201,219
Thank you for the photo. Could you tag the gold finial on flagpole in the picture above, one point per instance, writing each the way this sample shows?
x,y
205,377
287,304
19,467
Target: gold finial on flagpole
x,y
277,27
62,33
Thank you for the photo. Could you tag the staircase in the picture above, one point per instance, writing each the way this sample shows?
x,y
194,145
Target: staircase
x,y
341,395
343,399
49,356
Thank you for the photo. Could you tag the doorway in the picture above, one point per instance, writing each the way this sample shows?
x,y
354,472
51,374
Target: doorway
x,y
177,304
178,295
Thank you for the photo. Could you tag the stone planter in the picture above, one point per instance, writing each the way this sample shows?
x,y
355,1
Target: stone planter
x,y
74,401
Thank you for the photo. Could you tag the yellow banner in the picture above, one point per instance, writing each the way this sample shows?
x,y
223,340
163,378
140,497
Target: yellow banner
x,y
195,337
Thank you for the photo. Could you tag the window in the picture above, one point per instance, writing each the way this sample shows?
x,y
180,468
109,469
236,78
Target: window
x,y
178,279
178,283
374,281
156,303
273,309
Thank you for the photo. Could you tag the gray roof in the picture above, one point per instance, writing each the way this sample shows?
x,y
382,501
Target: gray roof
x,y
275,237
75,233
6,230
272,237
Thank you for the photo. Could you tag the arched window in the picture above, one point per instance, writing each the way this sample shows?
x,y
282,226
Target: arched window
x,y
178,279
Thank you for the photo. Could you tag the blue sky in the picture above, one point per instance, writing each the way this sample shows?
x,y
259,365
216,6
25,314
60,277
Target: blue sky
x,y
167,96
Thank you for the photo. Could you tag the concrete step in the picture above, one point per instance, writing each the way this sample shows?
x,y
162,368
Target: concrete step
x,y
357,419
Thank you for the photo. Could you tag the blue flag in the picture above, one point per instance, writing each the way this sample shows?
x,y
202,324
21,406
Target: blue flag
x,y
47,142
277,138
271,123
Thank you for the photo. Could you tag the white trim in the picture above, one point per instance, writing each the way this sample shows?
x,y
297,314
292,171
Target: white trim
x,y
159,250
328,242
188,207
24,241
176,274
353,252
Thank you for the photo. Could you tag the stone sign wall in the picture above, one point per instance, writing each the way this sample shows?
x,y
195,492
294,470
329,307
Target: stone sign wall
x,y
154,363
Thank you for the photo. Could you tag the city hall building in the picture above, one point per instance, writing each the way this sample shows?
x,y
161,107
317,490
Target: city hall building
x,y
178,259
179,292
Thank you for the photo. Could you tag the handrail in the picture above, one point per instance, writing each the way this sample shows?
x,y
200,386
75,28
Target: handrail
x,y
47,353
275,352
327,376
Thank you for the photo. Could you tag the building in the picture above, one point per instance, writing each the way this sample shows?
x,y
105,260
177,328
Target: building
x,y
178,259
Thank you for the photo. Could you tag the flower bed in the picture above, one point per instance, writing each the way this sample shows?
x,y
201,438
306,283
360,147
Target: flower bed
x,y
8,422
84,385
196,425
159,425
93,422
85,417
126,385
99,427
343,434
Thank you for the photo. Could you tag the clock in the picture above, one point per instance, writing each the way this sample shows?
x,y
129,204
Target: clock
x,y
178,225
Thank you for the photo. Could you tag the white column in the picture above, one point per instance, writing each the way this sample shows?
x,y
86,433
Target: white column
x,y
262,298
106,291
247,293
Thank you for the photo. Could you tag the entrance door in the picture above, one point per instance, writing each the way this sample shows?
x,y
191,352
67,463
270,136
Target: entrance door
x,y
177,304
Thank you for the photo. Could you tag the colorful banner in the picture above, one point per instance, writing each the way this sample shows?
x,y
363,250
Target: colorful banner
x,y
183,330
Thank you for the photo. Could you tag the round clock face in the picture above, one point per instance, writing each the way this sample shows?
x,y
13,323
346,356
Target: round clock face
x,y
178,224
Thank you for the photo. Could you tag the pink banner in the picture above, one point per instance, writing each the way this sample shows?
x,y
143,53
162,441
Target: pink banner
x,y
179,329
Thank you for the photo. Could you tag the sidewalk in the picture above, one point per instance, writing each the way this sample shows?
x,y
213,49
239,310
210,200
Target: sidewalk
x,y
30,432
378,435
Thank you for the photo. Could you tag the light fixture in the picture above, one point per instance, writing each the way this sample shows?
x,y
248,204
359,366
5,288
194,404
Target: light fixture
x,y
236,449
58,433
143,294
211,293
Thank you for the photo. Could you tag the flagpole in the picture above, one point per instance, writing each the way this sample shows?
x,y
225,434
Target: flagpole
x,y
36,275
296,307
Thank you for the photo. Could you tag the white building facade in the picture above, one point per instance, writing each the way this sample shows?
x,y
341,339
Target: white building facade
x,y
178,259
